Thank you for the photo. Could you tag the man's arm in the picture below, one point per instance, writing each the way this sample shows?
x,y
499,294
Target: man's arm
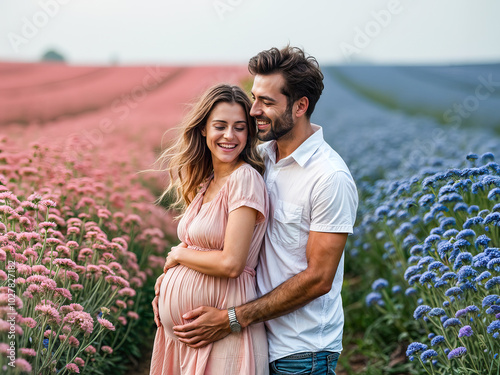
x,y
323,252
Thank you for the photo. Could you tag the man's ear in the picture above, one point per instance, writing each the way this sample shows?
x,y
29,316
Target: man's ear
x,y
301,106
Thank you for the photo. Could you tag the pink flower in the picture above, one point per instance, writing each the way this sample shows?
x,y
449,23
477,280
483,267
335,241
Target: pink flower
x,y
64,263
107,349
47,224
106,270
4,348
136,281
66,329
29,252
127,292
76,307
23,269
80,362
3,275
4,326
72,244
73,341
53,241
28,351
108,256
121,304
73,230
117,280
122,320
76,287
63,292
80,319
3,255
133,315
48,333
73,368
23,365
49,312
106,324
90,350
29,322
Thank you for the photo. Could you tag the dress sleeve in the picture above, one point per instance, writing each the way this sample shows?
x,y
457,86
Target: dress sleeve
x,y
247,188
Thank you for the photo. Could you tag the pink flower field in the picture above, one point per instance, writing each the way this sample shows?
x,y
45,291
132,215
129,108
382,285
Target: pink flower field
x,y
80,236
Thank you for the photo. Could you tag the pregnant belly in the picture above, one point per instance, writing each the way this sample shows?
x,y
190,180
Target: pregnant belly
x,y
184,289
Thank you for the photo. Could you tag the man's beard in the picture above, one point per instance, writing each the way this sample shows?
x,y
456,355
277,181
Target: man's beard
x,y
278,128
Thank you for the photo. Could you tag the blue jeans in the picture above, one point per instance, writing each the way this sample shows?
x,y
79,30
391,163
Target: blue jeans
x,y
320,363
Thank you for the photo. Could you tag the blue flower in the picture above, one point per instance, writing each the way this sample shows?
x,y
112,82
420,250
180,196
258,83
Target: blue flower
x,y
493,327
490,300
491,180
487,156
494,264
461,312
437,340
414,348
463,234
449,276
443,248
472,157
410,291
428,217
446,222
494,218
438,207
482,277
481,260
493,309
494,167
453,291
403,229
421,311
476,186
416,250
440,282
451,198
437,231
380,284
447,189
414,259
414,279
446,351
424,261
465,331
431,335
496,207
492,282
450,233
411,271
437,311
451,322
461,259
493,194
396,289
436,265
372,298
492,252
428,354
457,352
382,211
482,240
472,209
460,206
427,277
409,241
472,309
431,239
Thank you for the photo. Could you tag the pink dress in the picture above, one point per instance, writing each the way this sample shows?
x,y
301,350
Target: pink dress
x,y
203,228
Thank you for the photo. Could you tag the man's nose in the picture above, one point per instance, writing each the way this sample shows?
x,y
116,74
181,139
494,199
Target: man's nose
x,y
255,110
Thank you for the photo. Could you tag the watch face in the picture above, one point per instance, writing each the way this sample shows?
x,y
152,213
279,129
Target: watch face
x,y
235,327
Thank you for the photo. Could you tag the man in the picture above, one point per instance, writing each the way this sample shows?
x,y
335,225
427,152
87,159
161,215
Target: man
x,y
313,202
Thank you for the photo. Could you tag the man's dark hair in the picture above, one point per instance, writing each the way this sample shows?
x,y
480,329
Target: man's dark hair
x,y
302,74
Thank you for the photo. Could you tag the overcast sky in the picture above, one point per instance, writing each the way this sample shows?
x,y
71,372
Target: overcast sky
x,y
231,31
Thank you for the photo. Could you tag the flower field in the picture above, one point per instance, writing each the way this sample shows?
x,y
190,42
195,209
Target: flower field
x,y
81,240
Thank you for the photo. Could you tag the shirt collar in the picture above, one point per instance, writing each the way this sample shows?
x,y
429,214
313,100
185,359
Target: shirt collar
x,y
302,153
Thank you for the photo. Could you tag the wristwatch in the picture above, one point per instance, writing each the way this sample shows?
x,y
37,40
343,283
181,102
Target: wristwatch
x,y
233,322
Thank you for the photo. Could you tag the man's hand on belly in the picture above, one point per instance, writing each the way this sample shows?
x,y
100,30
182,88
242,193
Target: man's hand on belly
x,y
209,324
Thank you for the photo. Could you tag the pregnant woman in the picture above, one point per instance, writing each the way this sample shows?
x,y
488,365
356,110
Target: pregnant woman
x,y
216,173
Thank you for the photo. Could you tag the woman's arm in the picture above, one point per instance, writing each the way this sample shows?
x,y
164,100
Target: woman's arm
x,y
229,262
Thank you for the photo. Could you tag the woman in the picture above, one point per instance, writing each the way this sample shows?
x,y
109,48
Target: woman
x,y
221,232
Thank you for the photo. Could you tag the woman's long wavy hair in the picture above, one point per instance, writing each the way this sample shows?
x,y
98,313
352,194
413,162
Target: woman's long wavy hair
x,y
189,160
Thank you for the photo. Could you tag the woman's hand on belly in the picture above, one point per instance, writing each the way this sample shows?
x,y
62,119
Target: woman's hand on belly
x,y
155,300
171,260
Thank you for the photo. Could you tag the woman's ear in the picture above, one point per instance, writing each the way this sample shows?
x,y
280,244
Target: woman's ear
x,y
204,131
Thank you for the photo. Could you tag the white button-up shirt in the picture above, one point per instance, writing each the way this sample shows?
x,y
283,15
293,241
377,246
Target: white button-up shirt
x,y
310,190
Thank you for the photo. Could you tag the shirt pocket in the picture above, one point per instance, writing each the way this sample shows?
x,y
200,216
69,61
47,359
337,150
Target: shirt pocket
x,y
286,223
